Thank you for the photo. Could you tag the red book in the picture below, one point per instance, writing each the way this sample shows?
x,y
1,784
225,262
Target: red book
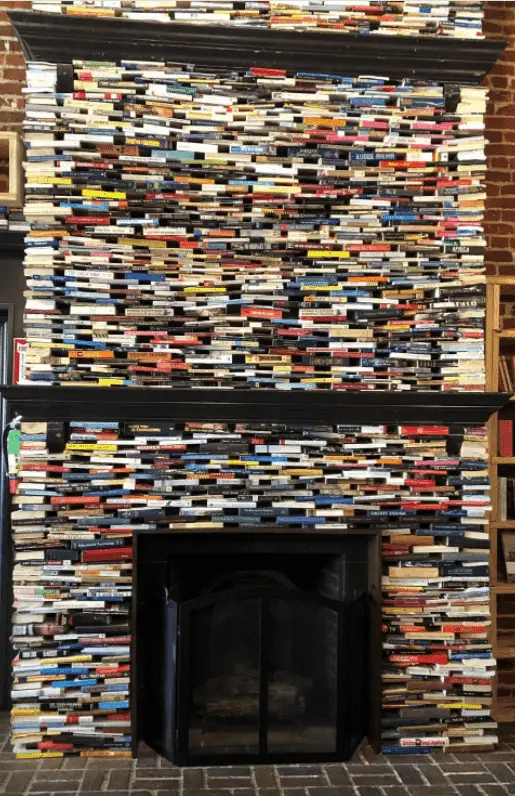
x,y
112,671
109,640
467,681
411,660
429,431
506,438
72,500
464,628
262,72
113,554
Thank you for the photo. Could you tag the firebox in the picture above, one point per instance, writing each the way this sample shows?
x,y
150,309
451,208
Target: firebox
x,y
259,647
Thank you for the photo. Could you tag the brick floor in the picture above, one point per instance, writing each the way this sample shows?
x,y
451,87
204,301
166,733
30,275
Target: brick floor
x,y
422,775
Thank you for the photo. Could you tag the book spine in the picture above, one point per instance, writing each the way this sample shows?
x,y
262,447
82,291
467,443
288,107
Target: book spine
x,y
505,438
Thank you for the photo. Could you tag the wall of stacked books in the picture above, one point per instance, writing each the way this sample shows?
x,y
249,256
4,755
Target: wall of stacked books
x,y
253,229
455,18
425,487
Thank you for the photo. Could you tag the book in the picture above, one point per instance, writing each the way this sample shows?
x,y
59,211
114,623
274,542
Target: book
x,y
508,551
505,437
505,373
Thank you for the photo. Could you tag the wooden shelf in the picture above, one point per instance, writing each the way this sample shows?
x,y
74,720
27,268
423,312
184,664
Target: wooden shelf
x,y
500,280
503,708
504,651
504,714
502,588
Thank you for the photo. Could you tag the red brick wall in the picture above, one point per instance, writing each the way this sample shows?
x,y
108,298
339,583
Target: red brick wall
x,y
12,76
500,129
12,70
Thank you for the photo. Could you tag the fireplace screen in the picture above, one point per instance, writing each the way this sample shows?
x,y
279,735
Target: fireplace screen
x,y
264,673
257,648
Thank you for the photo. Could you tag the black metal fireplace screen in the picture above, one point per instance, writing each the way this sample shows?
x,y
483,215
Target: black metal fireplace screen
x,y
263,673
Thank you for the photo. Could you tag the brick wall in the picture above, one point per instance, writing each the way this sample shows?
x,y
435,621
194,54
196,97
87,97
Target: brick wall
x,y
500,127
12,70
12,76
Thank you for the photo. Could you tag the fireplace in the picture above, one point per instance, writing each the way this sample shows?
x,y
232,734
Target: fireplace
x,y
254,647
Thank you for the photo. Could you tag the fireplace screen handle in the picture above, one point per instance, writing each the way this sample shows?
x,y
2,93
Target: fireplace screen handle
x,y
264,656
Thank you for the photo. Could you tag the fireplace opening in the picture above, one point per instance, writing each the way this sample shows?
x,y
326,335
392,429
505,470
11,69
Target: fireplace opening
x,y
251,652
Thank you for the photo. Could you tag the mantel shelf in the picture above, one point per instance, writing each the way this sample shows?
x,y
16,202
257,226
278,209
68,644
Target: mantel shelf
x,y
263,406
59,39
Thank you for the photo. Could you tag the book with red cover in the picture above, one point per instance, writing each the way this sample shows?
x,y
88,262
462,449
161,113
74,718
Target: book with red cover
x,y
112,554
505,438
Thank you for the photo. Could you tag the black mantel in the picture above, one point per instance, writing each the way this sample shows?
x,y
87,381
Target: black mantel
x,y
258,405
59,39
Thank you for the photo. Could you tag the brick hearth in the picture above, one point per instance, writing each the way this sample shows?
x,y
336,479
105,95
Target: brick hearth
x,y
366,775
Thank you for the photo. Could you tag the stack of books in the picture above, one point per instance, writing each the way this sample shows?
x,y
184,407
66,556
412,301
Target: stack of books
x,y
253,229
456,18
424,488
438,662
72,583
12,219
16,221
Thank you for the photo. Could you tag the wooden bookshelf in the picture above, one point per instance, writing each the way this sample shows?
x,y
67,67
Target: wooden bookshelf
x,y
11,155
505,714
502,595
